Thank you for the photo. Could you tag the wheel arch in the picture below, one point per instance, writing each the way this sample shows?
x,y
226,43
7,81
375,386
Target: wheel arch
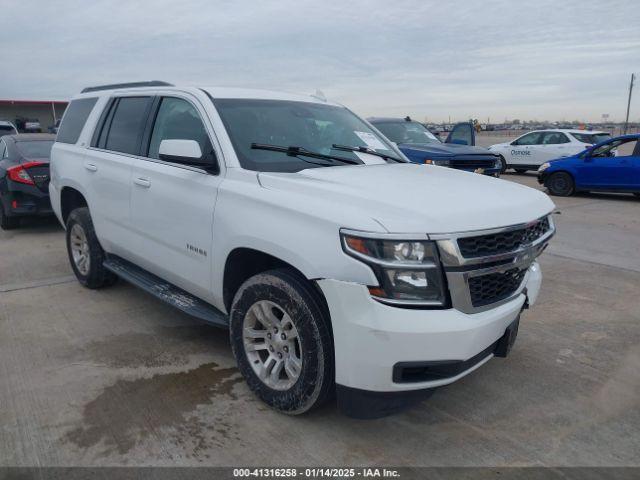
x,y
243,262
70,199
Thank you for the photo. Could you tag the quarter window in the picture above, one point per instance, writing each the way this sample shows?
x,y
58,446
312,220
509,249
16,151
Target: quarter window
x,y
177,119
129,118
74,119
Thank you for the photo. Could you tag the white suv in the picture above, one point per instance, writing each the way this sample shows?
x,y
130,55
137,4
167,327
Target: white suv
x,y
529,151
335,263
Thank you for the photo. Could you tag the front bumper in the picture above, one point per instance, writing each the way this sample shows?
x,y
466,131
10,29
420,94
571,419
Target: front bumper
x,y
371,338
542,177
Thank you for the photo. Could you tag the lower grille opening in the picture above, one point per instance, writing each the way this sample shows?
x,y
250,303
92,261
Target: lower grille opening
x,y
493,287
410,372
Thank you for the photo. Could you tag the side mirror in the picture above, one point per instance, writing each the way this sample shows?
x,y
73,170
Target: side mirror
x,y
186,152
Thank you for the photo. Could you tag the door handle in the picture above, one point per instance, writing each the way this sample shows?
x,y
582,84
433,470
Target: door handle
x,y
143,182
91,167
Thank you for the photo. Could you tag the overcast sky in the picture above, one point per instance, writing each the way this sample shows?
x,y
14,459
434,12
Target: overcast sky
x,y
528,60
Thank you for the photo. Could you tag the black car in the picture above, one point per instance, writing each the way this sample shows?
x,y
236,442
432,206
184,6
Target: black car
x,y
24,177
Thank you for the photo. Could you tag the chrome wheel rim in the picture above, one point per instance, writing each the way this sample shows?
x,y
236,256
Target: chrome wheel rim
x,y
80,249
272,345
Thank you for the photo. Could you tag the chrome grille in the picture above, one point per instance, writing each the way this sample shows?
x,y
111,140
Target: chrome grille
x,y
503,242
488,268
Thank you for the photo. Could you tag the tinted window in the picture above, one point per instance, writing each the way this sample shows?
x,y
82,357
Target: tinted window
x,y
129,118
177,119
6,130
622,148
554,138
406,132
313,126
592,138
529,139
74,119
40,149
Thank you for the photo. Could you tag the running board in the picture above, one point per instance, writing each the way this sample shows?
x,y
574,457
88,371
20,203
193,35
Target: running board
x,y
165,291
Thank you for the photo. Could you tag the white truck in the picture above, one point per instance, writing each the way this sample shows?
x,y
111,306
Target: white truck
x,y
336,265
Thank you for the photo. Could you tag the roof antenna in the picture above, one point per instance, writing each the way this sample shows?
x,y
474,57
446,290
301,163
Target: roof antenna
x,y
407,118
319,95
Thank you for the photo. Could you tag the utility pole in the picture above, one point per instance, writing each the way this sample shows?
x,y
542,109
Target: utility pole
x,y
626,121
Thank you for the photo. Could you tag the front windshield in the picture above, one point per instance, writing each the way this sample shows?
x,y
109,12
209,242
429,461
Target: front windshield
x,y
312,126
35,149
406,132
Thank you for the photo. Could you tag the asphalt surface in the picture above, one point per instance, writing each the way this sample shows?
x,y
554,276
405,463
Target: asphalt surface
x,y
115,377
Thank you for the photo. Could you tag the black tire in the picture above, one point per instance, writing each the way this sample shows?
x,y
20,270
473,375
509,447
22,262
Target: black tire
x,y
298,299
8,223
503,164
521,170
97,276
560,184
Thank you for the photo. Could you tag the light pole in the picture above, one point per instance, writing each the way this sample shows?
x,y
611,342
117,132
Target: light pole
x,y
626,121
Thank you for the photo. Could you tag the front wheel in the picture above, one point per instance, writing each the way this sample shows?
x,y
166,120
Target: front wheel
x,y
85,253
503,164
560,184
281,339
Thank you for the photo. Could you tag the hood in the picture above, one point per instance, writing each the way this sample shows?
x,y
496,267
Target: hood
x,y
442,149
410,198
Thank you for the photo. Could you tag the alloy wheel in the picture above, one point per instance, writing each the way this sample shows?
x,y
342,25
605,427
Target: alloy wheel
x,y
80,249
272,345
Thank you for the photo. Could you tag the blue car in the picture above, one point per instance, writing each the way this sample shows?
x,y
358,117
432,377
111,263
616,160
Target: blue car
x,y
609,166
421,146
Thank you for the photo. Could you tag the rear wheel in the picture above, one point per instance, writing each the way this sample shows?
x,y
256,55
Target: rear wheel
x,y
8,223
560,184
520,170
85,253
281,340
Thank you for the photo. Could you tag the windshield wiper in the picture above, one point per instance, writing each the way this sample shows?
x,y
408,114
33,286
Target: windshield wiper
x,y
370,151
294,151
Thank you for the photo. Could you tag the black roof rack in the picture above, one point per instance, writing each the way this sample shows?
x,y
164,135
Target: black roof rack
x,y
151,83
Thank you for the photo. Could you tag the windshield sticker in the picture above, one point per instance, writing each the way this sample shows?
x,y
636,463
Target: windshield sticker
x,y
371,140
369,159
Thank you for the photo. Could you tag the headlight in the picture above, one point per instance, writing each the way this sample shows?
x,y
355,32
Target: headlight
x,y
544,166
408,271
440,163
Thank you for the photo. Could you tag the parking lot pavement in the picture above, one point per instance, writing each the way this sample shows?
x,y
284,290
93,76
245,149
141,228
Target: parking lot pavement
x,y
114,377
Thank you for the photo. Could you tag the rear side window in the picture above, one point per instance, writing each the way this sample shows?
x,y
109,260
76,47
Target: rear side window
x,y
554,138
127,125
74,119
